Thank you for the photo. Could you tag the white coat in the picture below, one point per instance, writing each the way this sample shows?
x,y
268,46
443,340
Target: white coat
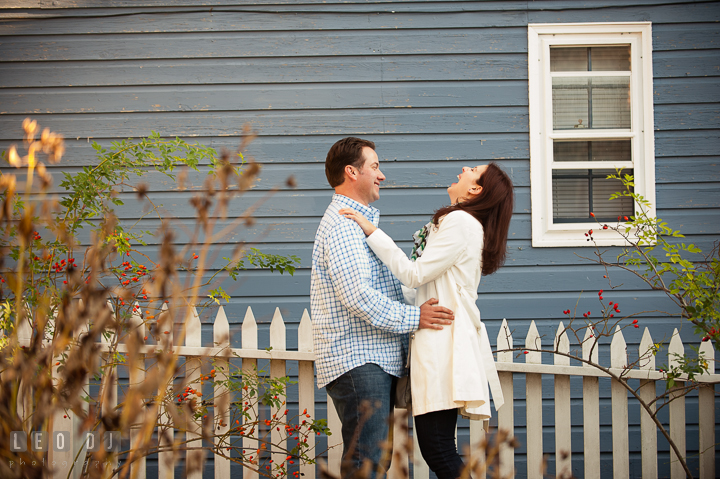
x,y
450,368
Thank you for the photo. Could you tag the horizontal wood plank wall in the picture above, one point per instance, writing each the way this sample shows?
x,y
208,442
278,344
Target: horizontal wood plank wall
x,y
437,85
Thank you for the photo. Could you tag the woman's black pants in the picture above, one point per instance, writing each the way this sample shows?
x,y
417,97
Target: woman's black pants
x,y
436,437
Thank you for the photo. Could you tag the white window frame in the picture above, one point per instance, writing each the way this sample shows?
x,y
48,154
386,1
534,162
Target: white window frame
x,y
540,37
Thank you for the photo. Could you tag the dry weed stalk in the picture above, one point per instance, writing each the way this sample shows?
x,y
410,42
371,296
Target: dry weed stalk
x,y
70,323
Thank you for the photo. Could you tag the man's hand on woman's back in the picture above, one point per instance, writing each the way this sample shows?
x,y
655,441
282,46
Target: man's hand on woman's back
x,y
433,316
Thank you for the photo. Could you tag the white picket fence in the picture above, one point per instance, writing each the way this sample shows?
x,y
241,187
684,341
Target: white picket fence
x,y
532,368
561,371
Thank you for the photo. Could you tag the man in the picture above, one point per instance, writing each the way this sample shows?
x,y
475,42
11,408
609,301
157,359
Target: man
x,y
360,324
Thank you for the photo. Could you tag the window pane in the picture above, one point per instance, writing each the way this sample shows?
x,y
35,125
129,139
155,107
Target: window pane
x,y
591,102
570,198
584,59
610,102
610,59
570,103
578,192
569,59
613,150
604,209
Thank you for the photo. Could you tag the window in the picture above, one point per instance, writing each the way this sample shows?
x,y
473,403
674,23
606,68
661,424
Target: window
x,y
590,91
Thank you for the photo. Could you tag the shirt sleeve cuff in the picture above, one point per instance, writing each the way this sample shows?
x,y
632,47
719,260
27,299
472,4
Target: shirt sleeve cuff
x,y
413,316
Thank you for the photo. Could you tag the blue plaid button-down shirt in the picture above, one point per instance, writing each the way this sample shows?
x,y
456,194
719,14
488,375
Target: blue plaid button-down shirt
x,y
357,311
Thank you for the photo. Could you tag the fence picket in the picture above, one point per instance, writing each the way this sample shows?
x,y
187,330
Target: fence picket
x,y
398,468
591,409
334,442
306,385
618,393
420,467
506,417
278,370
193,365
478,432
646,391
79,468
677,407
137,377
221,401
706,411
533,395
61,421
563,424
249,365
24,337
108,398
166,434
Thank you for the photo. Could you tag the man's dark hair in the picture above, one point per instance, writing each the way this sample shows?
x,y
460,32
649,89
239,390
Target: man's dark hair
x,y
347,151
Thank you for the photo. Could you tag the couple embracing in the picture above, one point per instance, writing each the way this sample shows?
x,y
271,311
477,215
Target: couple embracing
x,y
362,326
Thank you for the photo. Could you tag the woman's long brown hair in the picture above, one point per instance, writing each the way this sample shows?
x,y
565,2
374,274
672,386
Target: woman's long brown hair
x,y
493,208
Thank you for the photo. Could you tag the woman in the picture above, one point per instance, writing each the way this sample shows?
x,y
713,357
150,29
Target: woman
x,y
451,368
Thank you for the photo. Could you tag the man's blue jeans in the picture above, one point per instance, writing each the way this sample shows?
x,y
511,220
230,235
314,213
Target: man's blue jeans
x,y
363,401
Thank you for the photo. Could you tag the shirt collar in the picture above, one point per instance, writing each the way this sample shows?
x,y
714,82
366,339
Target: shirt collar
x,y
369,212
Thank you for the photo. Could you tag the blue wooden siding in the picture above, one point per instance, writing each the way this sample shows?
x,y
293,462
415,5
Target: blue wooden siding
x,y
437,85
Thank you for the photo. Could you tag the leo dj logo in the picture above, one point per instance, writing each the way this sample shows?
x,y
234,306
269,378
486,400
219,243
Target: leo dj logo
x,y
61,442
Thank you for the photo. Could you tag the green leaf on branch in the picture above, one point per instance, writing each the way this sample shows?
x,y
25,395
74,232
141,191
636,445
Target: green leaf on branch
x,y
262,260
214,294
689,277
